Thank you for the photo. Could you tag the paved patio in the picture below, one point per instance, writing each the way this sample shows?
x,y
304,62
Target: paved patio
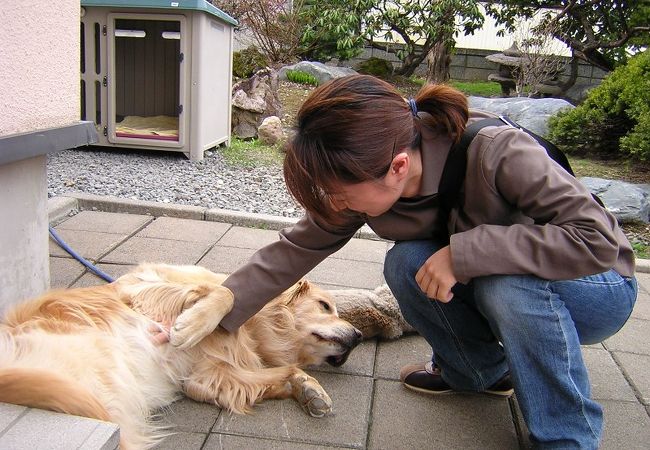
x,y
371,408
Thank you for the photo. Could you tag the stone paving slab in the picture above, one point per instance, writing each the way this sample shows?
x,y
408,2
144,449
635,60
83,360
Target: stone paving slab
x,y
251,238
354,274
64,272
183,441
627,426
225,259
642,306
285,420
607,380
637,369
89,244
113,270
184,230
402,419
104,222
35,429
140,249
393,355
634,337
187,415
225,441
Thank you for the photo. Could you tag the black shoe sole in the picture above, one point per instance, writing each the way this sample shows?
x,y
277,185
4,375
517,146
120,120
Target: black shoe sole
x,y
501,394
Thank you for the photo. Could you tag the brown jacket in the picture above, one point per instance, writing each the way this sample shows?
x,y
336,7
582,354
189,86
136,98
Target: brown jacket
x,y
521,213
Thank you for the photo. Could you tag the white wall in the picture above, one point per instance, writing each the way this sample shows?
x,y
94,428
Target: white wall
x,y
39,89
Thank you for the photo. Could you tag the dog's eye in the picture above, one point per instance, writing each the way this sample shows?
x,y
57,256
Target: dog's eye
x,y
325,305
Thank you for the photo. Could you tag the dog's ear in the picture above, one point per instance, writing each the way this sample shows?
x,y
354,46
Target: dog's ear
x,y
299,289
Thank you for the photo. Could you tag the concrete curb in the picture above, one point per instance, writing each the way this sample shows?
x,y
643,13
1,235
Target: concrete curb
x,y
61,206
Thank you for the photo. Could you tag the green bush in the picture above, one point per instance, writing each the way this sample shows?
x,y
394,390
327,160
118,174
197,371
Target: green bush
x,y
614,120
300,77
376,66
248,61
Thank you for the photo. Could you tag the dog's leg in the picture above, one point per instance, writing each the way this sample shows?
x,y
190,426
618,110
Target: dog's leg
x,y
307,391
202,316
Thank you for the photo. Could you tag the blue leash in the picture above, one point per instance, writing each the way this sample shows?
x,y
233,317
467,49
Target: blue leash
x,y
96,270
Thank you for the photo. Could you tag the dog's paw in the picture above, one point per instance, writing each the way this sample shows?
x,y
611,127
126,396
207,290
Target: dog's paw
x,y
189,328
201,319
313,398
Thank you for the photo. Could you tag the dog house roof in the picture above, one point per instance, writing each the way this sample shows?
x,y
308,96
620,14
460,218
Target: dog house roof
x,y
196,5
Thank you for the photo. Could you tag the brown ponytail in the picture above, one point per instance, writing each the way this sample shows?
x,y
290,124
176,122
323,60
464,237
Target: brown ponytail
x,y
349,129
446,108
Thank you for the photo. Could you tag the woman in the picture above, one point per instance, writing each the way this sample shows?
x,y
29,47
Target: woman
x,y
526,269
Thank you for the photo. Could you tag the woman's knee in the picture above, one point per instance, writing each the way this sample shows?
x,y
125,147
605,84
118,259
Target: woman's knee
x,y
505,299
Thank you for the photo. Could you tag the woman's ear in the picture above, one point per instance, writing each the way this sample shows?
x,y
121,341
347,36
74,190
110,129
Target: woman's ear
x,y
400,164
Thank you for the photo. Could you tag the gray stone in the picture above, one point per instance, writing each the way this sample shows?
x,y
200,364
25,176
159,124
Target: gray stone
x,y
627,201
270,131
531,113
38,429
637,368
182,441
89,244
393,355
218,441
634,337
139,250
421,421
253,100
347,425
356,274
607,381
105,222
320,71
626,426
186,415
184,230
64,272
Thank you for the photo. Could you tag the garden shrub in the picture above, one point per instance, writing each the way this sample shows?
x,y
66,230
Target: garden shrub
x,y
614,120
376,66
300,77
248,61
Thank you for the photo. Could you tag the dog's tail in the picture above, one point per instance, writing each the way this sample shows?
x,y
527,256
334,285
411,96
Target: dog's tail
x,y
40,388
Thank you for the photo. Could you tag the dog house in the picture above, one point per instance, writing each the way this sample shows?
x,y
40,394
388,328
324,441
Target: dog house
x,y
157,74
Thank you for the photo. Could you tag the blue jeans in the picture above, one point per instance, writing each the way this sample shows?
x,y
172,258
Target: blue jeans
x,y
523,324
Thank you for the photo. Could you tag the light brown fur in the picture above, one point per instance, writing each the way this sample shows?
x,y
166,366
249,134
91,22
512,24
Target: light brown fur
x,y
89,352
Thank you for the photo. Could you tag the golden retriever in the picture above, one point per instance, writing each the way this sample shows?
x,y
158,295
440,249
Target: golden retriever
x,y
90,352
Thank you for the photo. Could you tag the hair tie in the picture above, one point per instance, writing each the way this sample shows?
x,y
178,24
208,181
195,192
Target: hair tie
x,y
413,106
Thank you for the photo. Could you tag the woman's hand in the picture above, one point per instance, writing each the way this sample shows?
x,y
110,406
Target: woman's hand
x,y
159,332
436,276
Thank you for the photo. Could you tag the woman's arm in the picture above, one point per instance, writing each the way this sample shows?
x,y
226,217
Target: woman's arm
x,y
274,268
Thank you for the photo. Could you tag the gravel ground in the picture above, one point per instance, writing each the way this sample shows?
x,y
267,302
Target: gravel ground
x,y
170,177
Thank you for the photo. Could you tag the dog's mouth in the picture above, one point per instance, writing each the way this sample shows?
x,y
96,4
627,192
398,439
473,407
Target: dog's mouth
x,y
345,346
338,360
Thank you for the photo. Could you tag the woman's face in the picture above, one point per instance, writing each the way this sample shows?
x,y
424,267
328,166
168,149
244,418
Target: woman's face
x,y
372,198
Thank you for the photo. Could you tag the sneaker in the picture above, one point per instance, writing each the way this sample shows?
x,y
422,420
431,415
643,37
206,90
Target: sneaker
x,y
426,378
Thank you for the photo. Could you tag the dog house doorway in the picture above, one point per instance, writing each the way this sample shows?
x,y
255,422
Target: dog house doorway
x,y
146,56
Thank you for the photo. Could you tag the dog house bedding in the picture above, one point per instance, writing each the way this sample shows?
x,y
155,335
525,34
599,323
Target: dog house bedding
x,y
156,75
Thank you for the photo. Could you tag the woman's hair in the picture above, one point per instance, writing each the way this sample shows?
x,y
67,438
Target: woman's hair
x,y
349,130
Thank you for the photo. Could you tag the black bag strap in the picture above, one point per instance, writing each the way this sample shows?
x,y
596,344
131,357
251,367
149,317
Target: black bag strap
x,y
453,174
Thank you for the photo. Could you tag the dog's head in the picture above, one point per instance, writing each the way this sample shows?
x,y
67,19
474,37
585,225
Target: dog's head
x,y
324,335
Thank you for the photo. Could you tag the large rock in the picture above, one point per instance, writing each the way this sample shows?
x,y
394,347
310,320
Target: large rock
x,y
270,131
253,100
320,71
531,113
628,202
